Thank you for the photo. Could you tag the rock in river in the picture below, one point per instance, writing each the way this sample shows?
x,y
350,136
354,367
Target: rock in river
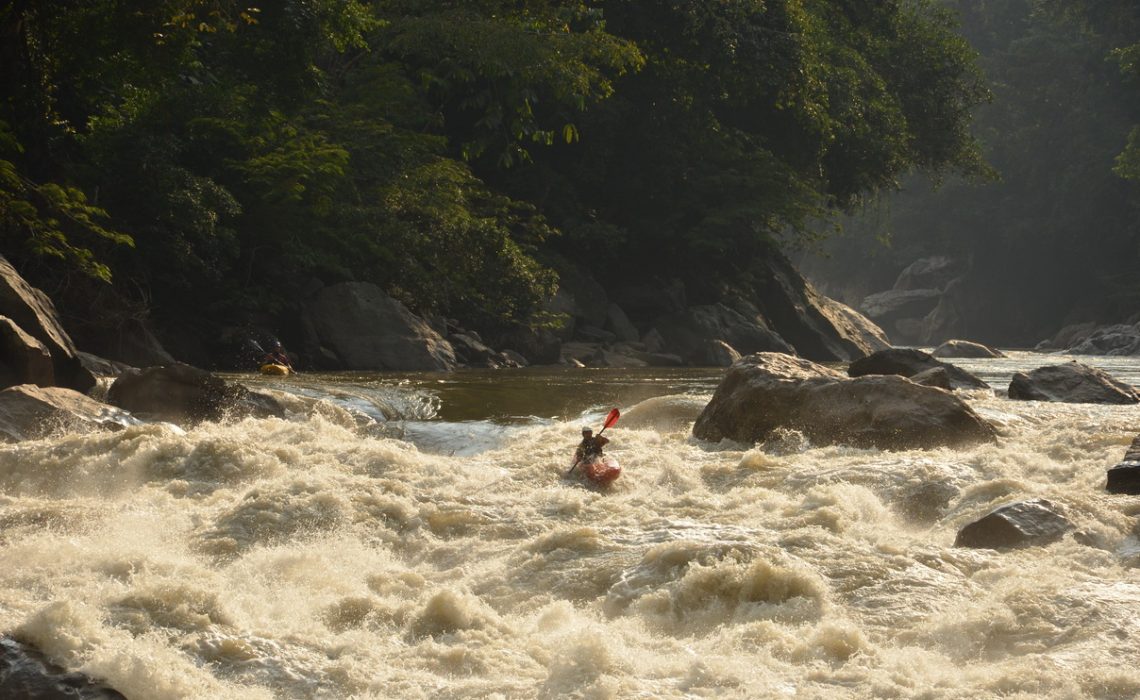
x,y
1021,524
768,391
907,362
1071,382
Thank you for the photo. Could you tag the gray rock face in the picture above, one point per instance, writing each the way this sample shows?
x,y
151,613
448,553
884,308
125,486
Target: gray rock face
x,y
26,675
183,394
33,312
1072,382
896,304
368,329
907,362
934,272
688,334
764,392
23,359
28,411
1121,339
132,343
619,324
964,348
819,328
1023,524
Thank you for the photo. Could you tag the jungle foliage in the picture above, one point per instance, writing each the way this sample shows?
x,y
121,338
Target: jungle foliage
x,y
210,159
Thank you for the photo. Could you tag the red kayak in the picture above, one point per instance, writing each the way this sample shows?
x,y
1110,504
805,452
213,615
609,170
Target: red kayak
x,y
601,470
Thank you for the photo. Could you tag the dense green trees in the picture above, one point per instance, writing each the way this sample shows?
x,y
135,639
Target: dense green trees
x,y
211,157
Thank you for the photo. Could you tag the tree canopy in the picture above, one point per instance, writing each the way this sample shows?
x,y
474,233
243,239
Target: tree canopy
x,y
208,159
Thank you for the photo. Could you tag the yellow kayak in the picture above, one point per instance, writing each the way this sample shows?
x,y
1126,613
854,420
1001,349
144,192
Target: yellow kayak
x,y
275,369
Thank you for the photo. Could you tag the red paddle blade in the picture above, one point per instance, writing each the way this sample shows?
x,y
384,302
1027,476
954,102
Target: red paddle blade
x,y
611,419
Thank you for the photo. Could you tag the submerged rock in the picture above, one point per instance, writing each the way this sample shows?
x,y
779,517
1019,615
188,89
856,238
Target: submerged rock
x,y
1023,524
965,348
908,362
1071,382
767,392
181,393
26,675
28,411
1125,477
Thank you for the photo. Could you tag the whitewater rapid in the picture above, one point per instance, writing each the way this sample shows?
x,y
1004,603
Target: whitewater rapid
x,y
437,557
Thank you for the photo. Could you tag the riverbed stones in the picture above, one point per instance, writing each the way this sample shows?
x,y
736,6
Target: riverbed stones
x,y
1072,382
766,392
907,362
28,411
965,349
183,394
1035,522
369,330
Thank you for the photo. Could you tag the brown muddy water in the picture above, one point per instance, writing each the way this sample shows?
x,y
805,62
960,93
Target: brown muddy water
x,y
442,554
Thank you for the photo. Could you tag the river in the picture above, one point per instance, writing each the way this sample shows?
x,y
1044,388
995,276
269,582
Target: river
x,y
442,554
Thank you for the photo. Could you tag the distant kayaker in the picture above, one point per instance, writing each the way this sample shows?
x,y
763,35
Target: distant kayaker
x,y
277,356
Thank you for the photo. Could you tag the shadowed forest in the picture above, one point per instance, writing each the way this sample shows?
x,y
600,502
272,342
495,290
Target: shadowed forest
x,y
201,165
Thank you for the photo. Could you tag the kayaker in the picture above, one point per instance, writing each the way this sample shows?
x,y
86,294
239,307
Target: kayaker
x,y
277,356
590,447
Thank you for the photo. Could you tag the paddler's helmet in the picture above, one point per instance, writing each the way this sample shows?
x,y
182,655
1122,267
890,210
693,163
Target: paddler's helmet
x,y
586,432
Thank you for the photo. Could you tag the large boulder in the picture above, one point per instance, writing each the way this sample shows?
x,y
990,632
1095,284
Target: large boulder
x,y
1023,524
766,392
23,359
183,394
34,313
368,329
965,349
1072,382
852,325
689,333
28,411
819,328
1125,477
908,362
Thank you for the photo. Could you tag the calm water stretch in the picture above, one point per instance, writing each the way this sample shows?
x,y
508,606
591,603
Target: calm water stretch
x,y
443,555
